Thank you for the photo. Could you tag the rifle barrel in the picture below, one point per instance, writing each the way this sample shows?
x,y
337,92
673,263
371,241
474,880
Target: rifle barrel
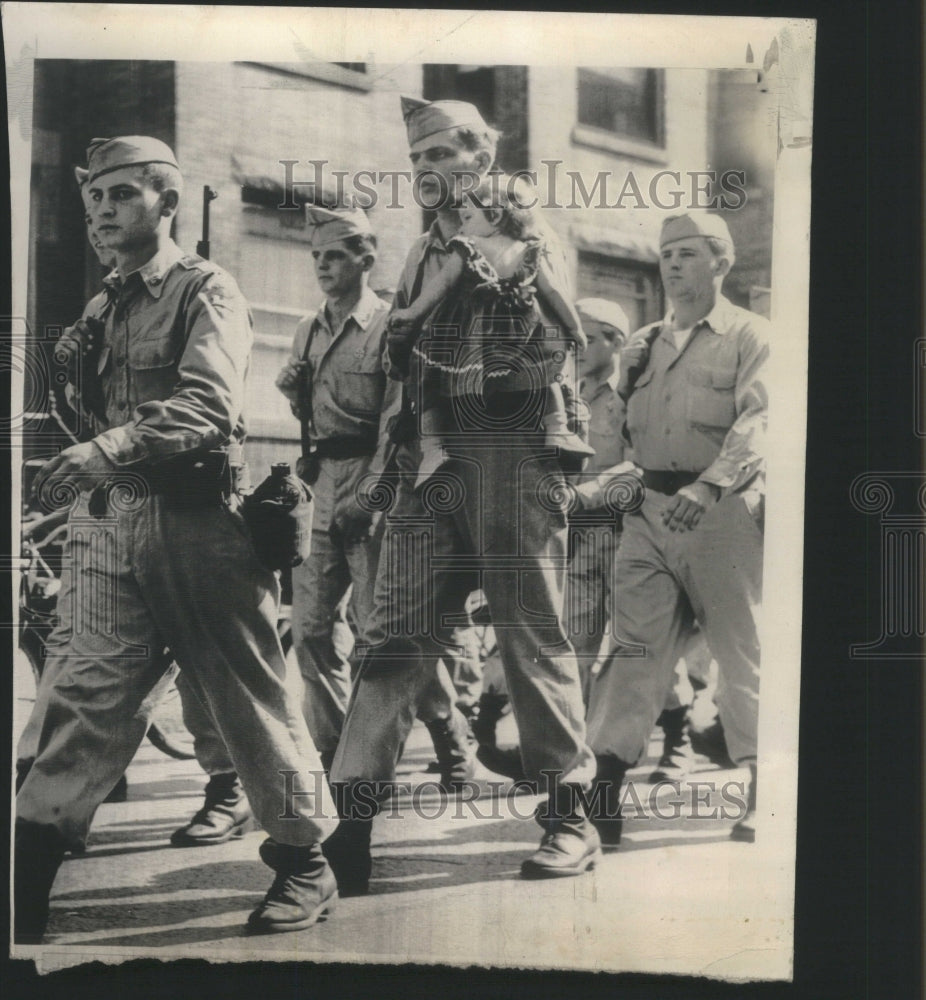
x,y
202,247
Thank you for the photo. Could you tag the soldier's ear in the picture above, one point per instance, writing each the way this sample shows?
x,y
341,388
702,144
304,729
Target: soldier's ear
x,y
483,160
369,260
170,199
721,266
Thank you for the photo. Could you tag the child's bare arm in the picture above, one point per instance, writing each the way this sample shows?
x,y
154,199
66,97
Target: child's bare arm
x,y
562,307
431,294
402,323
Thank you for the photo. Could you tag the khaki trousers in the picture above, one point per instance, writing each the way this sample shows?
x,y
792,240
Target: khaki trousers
x,y
491,519
147,576
663,581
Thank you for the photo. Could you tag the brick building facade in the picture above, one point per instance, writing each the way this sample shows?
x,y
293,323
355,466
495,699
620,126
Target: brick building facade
x,y
233,125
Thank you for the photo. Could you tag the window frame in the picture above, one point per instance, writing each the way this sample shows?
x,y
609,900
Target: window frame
x,y
653,151
652,297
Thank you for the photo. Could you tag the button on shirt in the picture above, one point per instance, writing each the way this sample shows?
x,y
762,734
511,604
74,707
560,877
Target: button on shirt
x,y
703,409
174,359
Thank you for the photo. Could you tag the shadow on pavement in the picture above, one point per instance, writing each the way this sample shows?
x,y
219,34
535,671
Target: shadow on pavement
x,y
123,918
178,937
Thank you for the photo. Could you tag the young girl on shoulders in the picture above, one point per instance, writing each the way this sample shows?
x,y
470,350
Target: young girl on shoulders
x,y
498,306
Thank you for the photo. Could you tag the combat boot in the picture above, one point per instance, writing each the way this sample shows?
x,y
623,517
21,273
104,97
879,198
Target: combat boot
x,y
39,851
225,815
744,830
605,797
491,708
677,758
348,853
453,746
570,844
303,893
710,742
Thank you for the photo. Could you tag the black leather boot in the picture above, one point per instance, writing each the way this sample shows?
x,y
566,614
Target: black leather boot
x,y
453,746
348,853
605,797
711,743
225,815
39,850
677,758
491,709
570,844
303,893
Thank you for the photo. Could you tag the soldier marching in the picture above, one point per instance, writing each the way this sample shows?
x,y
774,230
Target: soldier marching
x,y
593,607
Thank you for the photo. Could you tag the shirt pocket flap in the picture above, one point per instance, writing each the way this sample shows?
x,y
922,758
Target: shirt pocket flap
x,y
724,378
701,376
151,354
362,391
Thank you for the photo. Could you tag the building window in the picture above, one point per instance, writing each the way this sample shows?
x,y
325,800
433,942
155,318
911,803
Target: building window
x,y
622,110
263,217
634,286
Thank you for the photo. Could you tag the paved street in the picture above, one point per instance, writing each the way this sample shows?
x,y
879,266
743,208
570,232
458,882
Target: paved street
x,y
677,897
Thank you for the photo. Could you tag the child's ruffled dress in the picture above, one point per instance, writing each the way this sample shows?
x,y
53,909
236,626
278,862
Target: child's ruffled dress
x,y
488,354
490,335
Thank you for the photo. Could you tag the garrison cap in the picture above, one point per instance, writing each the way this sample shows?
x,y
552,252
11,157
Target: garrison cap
x,y
426,118
81,175
692,224
605,312
333,225
105,155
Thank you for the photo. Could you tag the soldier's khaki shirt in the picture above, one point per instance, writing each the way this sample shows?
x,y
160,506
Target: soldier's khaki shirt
x,y
174,359
349,387
351,396
704,409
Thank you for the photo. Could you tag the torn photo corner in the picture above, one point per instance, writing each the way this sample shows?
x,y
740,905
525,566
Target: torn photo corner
x,y
613,123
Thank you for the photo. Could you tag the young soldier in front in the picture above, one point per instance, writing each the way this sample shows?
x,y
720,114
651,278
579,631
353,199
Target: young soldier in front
x,y
182,571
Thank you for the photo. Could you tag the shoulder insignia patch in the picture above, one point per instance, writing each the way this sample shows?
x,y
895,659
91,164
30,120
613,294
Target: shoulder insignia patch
x,y
217,294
